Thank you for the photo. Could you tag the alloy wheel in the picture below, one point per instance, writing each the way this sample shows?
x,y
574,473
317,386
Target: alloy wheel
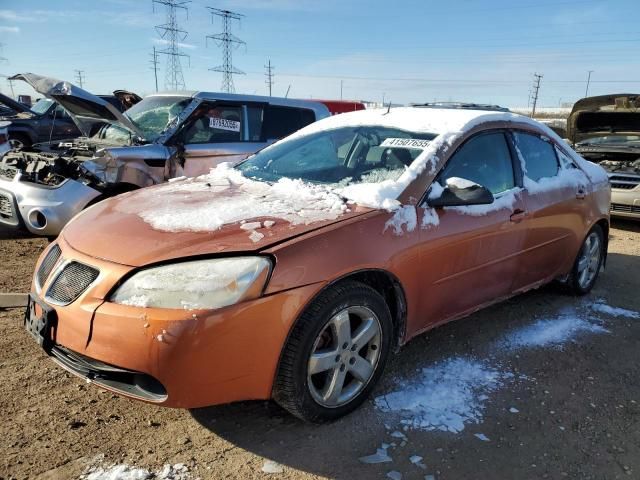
x,y
589,261
344,356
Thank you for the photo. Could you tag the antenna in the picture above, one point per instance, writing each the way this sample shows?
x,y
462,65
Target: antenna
x,y
79,78
228,41
172,36
269,75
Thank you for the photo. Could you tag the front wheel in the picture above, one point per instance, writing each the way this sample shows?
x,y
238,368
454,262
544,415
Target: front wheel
x,y
587,265
335,353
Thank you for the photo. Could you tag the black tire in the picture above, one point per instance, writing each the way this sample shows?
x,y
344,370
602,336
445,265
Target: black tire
x,y
574,284
21,138
291,388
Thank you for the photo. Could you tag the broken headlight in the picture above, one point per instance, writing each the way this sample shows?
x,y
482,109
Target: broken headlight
x,y
195,285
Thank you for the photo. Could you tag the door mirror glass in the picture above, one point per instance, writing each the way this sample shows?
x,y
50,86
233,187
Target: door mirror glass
x,y
459,192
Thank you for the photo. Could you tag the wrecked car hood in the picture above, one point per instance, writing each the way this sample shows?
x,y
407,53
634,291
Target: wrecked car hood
x,y
604,115
11,108
78,102
202,216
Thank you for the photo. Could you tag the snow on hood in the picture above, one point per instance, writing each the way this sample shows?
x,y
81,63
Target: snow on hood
x,y
229,197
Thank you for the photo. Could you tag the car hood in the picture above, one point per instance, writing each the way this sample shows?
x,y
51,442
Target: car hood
x,y
604,115
200,217
78,102
16,107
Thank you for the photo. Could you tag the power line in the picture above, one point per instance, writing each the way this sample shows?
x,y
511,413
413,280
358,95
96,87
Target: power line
x,y
228,41
536,88
269,75
172,35
79,77
154,65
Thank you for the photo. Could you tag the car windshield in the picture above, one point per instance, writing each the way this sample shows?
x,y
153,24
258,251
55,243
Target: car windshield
x,y
347,155
42,106
612,140
153,114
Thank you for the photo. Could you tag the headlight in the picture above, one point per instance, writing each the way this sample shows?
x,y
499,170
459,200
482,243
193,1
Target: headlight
x,y
201,284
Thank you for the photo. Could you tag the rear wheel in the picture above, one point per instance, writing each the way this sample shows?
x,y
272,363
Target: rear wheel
x,y
335,353
587,265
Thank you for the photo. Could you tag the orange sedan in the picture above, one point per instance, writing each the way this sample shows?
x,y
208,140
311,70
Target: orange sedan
x,y
293,275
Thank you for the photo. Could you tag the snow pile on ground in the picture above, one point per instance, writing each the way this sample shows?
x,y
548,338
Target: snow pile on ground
x,y
602,307
179,471
445,396
552,332
453,393
224,196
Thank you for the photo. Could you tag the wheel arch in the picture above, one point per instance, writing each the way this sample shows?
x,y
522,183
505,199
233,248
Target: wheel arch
x,y
603,223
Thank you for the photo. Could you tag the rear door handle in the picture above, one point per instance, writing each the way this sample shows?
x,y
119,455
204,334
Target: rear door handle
x,y
518,216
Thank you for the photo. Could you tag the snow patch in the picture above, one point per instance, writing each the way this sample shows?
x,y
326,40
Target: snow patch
x,y
251,225
224,196
404,217
481,436
460,183
179,471
613,311
553,332
256,236
445,396
272,467
381,456
430,218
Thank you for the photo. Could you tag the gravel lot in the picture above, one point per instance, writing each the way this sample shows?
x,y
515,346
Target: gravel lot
x,y
569,410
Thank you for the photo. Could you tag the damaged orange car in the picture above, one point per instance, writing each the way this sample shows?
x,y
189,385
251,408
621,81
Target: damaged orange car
x,y
296,273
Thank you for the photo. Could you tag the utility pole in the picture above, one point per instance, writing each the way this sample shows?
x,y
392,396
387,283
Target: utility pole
x,y
154,65
269,75
586,92
228,41
79,78
172,35
536,88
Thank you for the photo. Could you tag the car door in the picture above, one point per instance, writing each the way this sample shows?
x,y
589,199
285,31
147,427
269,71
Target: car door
x,y
217,132
555,206
470,254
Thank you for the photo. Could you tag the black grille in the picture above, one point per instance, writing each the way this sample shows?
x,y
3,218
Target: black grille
x,y
47,265
624,182
619,207
71,282
6,209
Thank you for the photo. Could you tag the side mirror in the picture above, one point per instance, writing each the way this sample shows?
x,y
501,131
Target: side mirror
x,y
459,192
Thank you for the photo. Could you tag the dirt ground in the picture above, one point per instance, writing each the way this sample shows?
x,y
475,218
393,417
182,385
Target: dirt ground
x,y
578,407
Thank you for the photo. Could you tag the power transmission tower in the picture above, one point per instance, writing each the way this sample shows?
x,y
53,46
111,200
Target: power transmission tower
x,y
269,75
536,88
79,78
154,65
586,92
172,36
228,41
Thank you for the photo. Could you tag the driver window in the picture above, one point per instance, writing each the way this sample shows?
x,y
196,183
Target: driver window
x,y
484,159
215,124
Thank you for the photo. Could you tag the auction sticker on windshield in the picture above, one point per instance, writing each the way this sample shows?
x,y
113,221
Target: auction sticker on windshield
x,y
405,143
222,124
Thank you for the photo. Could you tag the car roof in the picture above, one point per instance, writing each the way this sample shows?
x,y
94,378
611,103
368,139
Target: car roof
x,y
237,97
462,105
417,119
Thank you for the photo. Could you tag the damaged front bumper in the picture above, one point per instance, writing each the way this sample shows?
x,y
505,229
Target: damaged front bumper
x,y
41,209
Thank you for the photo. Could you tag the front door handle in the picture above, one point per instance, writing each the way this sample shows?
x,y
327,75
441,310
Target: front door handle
x,y
518,216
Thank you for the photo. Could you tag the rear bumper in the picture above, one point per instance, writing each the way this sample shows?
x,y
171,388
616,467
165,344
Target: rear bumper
x,y
42,210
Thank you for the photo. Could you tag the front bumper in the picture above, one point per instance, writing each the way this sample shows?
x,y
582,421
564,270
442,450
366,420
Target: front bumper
x,y
625,203
42,210
174,358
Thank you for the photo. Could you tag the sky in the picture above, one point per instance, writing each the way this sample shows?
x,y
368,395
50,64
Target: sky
x,y
401,51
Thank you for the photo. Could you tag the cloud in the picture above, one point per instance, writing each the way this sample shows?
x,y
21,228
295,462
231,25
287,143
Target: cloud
x,y
5,29
162,41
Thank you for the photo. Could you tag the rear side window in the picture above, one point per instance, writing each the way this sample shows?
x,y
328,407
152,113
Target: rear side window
x,y
215,123
278,122
539,156
485,160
